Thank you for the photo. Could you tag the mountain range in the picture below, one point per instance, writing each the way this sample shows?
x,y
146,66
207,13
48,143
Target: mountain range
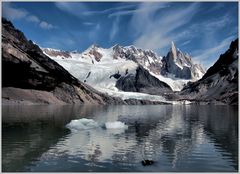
x,y
175,69
115,75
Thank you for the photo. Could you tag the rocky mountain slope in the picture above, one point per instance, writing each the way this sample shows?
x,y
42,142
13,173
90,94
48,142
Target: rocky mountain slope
x,y
29,76
220,83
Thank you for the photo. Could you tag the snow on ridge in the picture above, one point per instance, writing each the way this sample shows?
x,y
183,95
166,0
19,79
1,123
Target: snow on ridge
x,y
53,49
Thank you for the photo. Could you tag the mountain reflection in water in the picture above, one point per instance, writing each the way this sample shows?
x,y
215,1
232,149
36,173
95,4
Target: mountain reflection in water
x,y
177,138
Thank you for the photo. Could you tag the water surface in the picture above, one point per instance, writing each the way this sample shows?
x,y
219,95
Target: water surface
x,y
177,138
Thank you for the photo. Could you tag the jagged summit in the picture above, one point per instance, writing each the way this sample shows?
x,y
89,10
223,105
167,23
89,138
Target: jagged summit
x,y
181,65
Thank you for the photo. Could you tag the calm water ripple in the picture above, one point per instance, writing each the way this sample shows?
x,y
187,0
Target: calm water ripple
x,y
177,138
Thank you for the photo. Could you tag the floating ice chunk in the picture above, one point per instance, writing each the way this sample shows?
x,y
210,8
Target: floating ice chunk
x,y
82,124
183,102
115,125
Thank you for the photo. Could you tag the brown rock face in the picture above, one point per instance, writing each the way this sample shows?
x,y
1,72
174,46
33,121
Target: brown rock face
x,y
96,54
55,53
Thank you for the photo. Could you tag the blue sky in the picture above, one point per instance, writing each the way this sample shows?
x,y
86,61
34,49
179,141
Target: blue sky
x,y
202,29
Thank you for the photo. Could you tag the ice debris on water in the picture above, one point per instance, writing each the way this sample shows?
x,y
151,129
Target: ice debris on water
x,y
84,123
115,125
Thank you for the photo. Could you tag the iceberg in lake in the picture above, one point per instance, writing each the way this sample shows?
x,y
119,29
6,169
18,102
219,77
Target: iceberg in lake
x,y
82,124
115,125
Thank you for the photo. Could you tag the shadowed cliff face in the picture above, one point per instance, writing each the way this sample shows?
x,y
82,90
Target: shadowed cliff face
x,y
25,66
220,83
143,82
30,76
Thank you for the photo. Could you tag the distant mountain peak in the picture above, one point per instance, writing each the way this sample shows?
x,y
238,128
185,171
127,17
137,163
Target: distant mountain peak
x,y
181,65
95,45
116,47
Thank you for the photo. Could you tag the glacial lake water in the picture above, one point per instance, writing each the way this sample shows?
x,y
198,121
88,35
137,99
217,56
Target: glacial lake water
x,y
179,138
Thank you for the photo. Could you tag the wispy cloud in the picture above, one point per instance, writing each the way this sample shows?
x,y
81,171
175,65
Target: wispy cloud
x,y
81,10
33,18
186,43
43,24
46,25
115,28
74,8
206,29
211,25
13,13
112,10
63,42
94,32
88,23
157,33
142,9
207,56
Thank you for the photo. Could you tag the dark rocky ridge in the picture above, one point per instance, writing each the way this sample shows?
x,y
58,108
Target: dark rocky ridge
x,y
220,83
25,66
142,82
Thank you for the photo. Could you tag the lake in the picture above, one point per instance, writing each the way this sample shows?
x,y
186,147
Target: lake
x,y
178,138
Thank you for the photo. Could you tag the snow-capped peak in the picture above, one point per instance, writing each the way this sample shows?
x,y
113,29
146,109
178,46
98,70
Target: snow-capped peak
x,y
51,49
